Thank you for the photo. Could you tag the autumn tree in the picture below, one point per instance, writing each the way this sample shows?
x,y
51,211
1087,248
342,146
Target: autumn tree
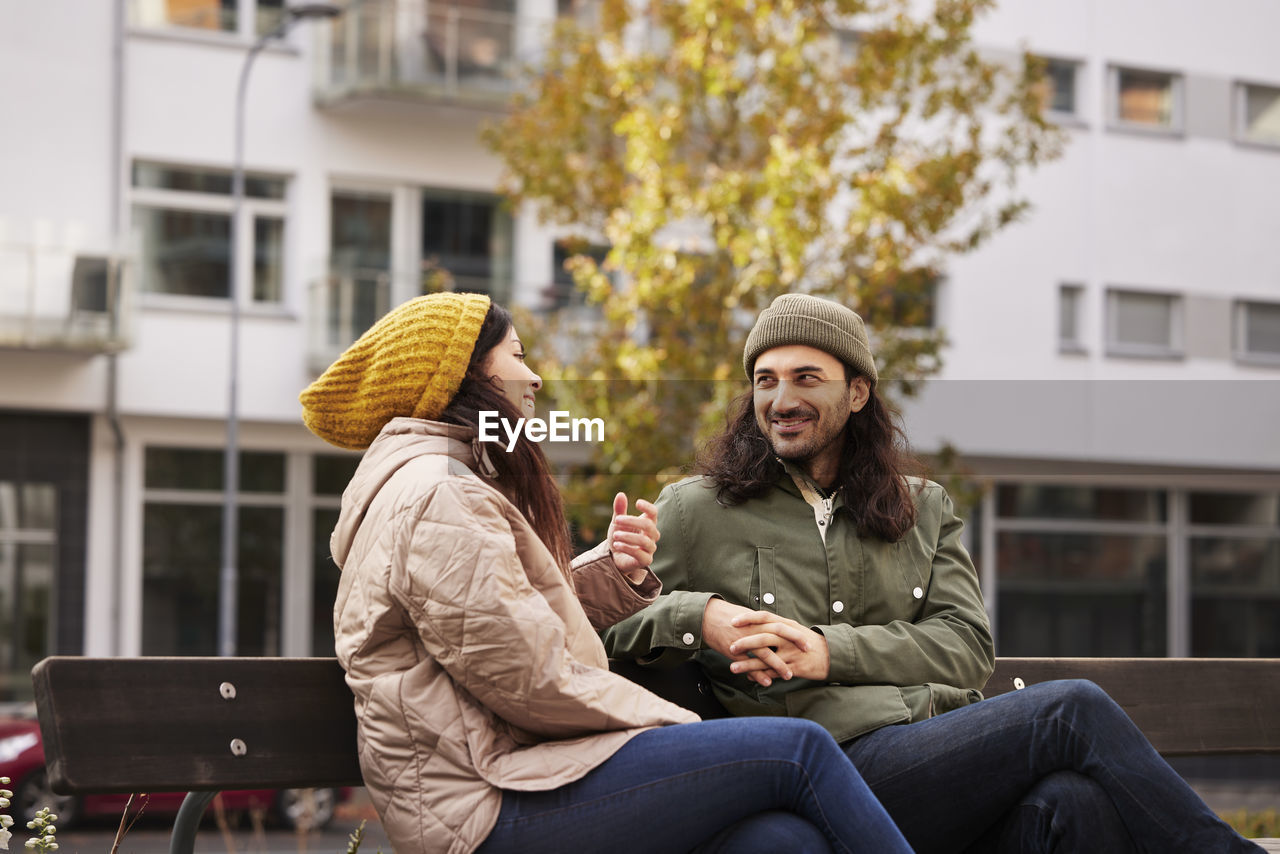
x,y
727,151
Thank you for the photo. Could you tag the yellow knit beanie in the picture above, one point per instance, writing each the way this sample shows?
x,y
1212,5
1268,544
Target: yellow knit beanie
x,y
410,362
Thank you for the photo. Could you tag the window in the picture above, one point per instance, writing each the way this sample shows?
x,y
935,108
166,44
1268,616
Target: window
x,y
1070,318
1258,331
466,243
1110,569
1146,99
28,549
359,289
471,40
1080,570
247,18
1144,324
1060,92
1235,574
181,551
183,218
1259,113
330,474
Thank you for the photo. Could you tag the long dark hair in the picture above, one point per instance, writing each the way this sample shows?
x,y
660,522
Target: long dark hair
x,y
523,474
873,465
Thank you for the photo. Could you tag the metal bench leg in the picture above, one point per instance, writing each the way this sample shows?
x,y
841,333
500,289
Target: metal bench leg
x,y
183,840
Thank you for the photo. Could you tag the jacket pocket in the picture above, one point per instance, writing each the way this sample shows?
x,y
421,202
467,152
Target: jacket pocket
x,y
944,698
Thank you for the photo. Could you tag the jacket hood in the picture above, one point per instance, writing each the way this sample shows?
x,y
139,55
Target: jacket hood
x,y
399,442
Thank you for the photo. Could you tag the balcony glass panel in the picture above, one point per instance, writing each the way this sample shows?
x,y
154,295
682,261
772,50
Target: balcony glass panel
x,y
57,298
344,304
460,50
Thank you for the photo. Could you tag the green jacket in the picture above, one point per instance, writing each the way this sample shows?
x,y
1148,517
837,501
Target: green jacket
x,y
908,635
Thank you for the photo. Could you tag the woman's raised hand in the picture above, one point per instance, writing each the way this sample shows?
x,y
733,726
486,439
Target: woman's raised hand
x,y
633,539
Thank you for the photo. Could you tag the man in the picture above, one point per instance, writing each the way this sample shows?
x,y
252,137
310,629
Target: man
x,y
810,576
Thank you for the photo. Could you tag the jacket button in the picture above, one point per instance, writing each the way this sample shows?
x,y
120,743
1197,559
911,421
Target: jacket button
x,y
918,593
768,598
688,638
837,606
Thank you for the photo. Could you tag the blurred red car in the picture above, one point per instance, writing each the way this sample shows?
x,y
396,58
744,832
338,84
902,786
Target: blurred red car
x,y
22,761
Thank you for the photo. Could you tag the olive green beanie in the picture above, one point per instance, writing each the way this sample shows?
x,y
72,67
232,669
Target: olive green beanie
x,y
411,362
815,322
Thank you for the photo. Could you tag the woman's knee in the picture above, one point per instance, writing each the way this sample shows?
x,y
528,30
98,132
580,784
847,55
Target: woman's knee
x,y
791,740
807,735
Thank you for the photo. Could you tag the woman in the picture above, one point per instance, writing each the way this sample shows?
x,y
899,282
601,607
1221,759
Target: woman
x,y
488,718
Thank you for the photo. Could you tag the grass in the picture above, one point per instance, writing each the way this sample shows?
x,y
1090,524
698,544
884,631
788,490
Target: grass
x,y
1254,825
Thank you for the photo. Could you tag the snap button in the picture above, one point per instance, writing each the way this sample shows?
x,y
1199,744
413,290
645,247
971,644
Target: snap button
x,y
768,598
918,593
837,606
1018,684
688,638
822,523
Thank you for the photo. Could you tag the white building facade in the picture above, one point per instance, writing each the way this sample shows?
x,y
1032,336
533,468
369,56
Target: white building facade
x,y
1113,373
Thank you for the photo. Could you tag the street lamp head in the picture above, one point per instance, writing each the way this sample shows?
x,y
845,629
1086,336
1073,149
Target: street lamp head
x,y
303,11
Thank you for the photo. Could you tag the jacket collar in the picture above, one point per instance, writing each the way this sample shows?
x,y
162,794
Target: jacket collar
x,y
453,440
400,441
793,476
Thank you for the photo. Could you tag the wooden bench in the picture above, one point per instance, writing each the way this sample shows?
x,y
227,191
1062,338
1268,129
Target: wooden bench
x,y
203,725
198,725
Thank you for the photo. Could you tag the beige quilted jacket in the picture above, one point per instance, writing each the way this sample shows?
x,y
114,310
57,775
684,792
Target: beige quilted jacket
x,y
474,665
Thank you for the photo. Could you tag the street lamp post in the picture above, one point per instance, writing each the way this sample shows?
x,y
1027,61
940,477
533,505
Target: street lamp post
x,y
229,577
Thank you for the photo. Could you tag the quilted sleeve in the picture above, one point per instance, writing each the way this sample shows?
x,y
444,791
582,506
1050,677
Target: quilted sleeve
x,y
606,594
458,575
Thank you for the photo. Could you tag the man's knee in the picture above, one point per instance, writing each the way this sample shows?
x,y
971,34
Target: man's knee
x,y
1076,696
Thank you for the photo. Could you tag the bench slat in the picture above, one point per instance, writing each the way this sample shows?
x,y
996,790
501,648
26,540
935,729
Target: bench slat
x,y
161,724
1184,706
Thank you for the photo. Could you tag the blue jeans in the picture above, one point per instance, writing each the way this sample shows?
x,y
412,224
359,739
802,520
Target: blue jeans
x,y
1057,766
739,785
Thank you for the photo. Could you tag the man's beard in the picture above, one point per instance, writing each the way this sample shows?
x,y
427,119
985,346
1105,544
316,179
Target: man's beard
x,y
818,436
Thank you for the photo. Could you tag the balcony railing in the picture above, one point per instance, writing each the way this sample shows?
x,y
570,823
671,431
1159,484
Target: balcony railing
x,y
54,298
343,304
426,51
